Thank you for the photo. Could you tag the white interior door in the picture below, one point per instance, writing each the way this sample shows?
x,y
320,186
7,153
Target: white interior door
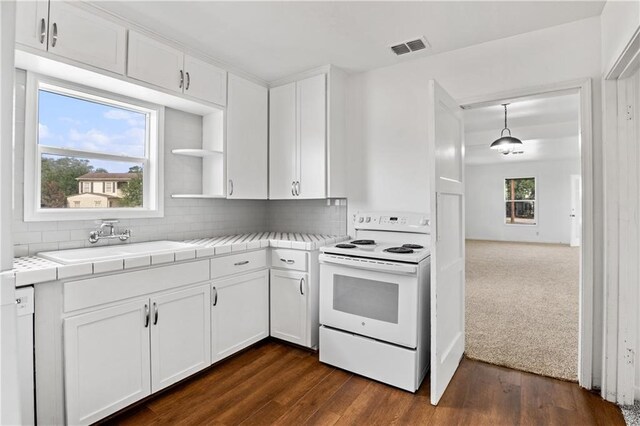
x,y
446,130
576,211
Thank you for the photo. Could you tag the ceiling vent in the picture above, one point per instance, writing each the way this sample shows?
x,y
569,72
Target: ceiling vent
x,y
410,46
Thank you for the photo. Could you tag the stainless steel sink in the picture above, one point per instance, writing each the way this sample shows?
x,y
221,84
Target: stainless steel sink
x,y
95,254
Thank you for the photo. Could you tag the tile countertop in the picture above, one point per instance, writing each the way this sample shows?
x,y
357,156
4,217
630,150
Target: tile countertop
x,y
33,269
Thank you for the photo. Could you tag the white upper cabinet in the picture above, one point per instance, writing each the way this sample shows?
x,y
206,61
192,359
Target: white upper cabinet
x,y
154,62
312,125
32,23
72,32
247,144
307,157
283,156
205,81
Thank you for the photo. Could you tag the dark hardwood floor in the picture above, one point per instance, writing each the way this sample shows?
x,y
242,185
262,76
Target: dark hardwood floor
x,y
273,383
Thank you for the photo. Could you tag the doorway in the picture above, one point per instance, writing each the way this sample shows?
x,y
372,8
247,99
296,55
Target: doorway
x,y
524,229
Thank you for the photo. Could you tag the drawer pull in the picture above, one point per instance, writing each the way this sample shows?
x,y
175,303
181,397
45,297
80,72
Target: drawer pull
x,y
215,296
146,315
244,262
301,284
288,261
155,313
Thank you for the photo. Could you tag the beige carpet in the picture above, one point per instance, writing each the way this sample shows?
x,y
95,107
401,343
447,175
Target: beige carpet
x,y
522,306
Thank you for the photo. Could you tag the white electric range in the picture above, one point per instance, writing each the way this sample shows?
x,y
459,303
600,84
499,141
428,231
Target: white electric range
x,y
374,299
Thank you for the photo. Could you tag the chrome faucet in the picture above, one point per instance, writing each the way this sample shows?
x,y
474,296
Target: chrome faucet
x,y
99,234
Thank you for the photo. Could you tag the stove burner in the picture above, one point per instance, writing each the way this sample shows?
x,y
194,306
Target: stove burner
x,y
413,246
363,242
399,250
345,246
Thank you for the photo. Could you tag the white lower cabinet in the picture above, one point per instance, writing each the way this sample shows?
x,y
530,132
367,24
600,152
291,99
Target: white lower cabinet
x,y
289,306
107,361
118,355
240,312
180,335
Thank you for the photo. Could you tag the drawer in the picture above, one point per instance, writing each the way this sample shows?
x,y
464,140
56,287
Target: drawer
x,y
236,263
110,288
289,259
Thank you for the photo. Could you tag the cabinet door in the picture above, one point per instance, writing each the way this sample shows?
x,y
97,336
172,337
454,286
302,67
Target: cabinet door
x,y
312,140
32,23
247,144
239,313
180,335
205,81
85,37
282,142
154,62
289,310
107,361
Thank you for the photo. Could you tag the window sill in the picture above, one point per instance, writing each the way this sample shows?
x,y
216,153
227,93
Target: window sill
x,y
92,214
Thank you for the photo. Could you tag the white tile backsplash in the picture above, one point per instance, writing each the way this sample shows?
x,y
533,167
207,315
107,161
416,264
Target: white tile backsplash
x,y
184,218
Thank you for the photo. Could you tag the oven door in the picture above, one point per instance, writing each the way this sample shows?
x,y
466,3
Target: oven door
x,y
370,298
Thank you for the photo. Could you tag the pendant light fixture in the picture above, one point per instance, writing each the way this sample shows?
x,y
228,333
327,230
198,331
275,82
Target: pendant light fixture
x,y
506,144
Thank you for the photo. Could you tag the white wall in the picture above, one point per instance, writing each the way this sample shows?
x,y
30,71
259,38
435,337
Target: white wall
x,y
485,208
619,21
387,113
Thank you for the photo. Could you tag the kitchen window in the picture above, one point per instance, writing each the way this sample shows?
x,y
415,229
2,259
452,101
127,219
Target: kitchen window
x,y
520,201
90,154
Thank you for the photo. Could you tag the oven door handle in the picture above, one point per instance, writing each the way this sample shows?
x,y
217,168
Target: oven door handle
x,y
369,264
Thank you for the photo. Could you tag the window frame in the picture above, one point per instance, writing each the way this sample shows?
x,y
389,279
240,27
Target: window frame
x,y
153,161
535,201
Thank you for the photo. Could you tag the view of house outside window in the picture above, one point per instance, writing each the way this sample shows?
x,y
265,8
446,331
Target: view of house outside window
x,y
520,199
92,154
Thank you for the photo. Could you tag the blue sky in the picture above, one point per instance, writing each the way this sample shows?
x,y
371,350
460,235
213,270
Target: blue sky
x,y
67,122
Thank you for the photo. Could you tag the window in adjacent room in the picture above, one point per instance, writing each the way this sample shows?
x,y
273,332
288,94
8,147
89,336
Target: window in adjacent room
x,y
520,201
83,144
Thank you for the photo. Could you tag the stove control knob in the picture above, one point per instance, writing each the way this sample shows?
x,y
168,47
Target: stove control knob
x,y
368,219
361,219
424,221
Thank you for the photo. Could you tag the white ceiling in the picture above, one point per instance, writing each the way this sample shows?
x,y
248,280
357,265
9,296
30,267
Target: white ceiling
x,y
548,127
272,40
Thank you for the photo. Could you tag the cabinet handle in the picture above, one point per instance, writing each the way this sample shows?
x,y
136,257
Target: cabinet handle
x,y
43,30
244,262
181,79
293,188
301,284
298,188
54,39
155,313
288,261
230,187
146,315
215,296
188,81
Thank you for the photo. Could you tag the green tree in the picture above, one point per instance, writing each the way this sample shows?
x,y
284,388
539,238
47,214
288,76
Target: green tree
x,y
132,191
59,179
